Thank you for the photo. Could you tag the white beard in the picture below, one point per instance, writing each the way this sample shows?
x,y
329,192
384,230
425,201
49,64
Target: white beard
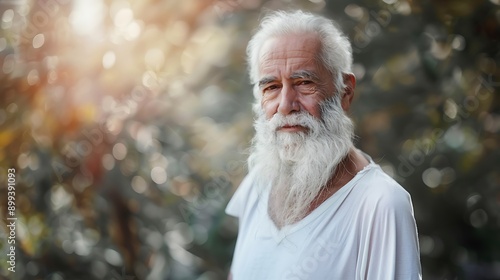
x,y
298,165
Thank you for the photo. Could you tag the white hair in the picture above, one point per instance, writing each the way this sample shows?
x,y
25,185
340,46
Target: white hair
x,y
336,50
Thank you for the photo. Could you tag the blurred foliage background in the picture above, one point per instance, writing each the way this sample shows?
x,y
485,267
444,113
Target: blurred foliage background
x,y
128,123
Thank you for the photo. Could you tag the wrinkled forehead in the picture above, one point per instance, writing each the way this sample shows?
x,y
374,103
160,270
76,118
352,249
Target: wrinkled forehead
x,y
285,49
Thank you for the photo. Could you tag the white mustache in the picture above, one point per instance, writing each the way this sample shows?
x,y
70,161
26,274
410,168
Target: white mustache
x,y
301,118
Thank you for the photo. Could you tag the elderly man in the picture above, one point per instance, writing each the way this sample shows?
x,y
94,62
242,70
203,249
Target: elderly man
x,y
313,206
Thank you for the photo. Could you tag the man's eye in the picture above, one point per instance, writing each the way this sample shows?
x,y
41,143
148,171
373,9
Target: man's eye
x,y
270,88
305,82
306,87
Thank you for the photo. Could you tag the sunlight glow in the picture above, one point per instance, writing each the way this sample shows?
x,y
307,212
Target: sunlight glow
x,y
87,16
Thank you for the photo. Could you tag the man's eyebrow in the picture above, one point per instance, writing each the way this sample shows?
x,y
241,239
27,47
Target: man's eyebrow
x,y
266,80
304,74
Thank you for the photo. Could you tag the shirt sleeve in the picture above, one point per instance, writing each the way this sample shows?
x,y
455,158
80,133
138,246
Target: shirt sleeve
x,y
389,242
239,201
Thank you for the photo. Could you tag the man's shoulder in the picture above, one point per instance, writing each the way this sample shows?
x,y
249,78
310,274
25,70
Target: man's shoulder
x,y
378,190
241,197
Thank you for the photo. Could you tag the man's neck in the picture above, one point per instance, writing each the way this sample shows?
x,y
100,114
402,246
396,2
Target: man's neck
x,y
345,172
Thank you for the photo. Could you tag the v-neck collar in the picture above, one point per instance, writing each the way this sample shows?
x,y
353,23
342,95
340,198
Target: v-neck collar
x,y
269,230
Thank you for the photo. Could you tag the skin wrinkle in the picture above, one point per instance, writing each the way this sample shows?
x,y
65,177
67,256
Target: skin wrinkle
x,y
299,74
316,56
289,54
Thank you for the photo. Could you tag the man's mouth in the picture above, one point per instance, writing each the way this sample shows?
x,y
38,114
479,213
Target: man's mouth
x,y
292,128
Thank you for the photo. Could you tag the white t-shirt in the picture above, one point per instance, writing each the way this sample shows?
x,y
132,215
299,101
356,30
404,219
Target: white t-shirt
x,y
366,230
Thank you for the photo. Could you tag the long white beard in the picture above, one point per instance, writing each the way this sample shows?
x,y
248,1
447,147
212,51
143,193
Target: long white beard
x,y
298,165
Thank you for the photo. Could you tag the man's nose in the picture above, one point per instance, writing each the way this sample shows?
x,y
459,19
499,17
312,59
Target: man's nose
x,y
288,101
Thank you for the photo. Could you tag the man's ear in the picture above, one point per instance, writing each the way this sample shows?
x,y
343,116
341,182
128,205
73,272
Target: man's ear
x,y
350,85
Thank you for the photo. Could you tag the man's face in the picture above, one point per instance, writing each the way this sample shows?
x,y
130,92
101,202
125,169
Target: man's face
x,y
292,79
